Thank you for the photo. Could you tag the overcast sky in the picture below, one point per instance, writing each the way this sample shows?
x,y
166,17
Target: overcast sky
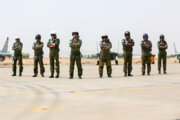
x,y
92,18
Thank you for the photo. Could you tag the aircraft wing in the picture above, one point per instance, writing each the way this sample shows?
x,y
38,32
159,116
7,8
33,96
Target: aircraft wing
x,y
6,54
174,55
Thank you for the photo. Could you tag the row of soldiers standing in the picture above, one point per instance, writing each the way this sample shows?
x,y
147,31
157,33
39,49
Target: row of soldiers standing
x,y
53,45
75,56
128,44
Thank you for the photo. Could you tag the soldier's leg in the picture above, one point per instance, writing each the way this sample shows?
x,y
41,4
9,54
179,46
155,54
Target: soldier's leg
x,y
79,66
148,64
57,64
52,65
71,69
101,67
109,68
143,64
14,66
41,64
125,64
159,63
164,62
20,65
35,66
129,64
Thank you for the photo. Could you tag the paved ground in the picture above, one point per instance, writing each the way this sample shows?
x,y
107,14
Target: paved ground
x,y
155,97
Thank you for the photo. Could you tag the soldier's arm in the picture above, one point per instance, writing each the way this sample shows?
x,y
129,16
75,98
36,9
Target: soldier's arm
x,y
142,44
21,46
41,46
123,42
57,42
70,44
150,44
48,44
79,43
109,46
166,45
132,43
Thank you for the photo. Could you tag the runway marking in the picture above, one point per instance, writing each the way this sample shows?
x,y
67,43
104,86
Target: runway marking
x,y
94,92
44,109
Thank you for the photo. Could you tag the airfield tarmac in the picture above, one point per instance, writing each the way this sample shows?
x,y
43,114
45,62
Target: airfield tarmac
x,y
155,97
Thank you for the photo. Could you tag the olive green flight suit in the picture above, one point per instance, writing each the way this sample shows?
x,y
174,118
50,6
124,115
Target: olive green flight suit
x,y
105,57
146,55
17,47
128,49
162,55
54,55
75,56
38,57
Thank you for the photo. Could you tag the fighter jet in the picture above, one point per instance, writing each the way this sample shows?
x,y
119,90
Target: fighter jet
x,y
4,52
176,54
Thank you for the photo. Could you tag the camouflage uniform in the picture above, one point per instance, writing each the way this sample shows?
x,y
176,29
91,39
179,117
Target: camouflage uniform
x,y
146,55
75,56
105,57
128,49
17,47
38,57
54,55
162,55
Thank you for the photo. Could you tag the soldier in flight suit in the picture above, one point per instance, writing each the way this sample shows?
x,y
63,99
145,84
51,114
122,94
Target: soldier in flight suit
x,y
53,45
105,46
162,55
75,44
127,44
146,47
38,55
17,47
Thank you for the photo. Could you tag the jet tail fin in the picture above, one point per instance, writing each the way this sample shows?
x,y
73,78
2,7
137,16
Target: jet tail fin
x,y
5,47
175,50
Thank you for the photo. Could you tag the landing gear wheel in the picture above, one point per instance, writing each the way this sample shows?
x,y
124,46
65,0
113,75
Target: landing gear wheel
x,y
2,58
116,61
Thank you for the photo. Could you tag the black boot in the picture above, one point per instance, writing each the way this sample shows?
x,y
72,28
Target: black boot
x,y
57,76
14,74
109,76
149,74
165,72
80,77
51,76
159,72
143,73
20,74
100,75
42,75
130,75
125,74
35,75
71,77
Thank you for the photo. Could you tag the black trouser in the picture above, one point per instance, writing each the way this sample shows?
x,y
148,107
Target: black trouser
x,y
162,56
15,59
38,59
76,59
